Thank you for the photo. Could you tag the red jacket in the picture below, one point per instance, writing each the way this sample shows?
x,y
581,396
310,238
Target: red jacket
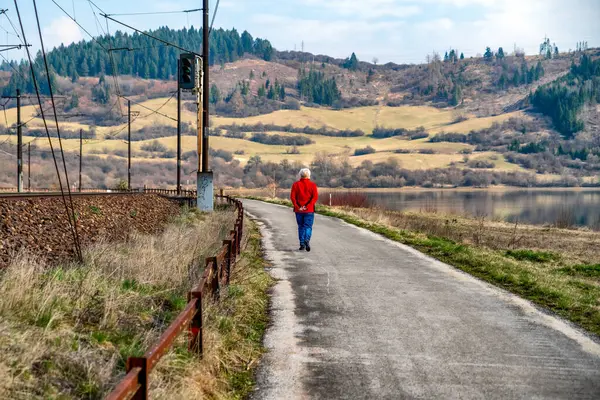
x,y
304,193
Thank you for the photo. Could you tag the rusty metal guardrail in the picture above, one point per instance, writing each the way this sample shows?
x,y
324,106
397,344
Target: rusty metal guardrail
x,y
216,274
184,197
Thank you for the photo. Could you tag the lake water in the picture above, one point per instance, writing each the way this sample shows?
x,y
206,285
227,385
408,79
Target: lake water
x,y
579,207
562,207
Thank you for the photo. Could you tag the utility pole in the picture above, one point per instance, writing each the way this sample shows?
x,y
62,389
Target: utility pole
x,y
178,134
29,167
80,156
129,144
19,145
205,188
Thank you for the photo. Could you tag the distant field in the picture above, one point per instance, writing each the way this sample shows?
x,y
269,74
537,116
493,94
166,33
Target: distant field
x,y
434,120
476,123
363,118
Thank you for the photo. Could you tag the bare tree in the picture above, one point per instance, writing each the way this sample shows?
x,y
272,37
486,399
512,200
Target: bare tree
x,y
375,60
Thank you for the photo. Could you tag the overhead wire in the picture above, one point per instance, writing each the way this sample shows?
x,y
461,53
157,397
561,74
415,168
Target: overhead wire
x,y
115,133
43,51
13,26
149,35
158,12
214,16
153,111
37,91
113,67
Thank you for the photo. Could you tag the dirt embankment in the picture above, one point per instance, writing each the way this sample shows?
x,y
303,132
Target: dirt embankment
x,y
40,225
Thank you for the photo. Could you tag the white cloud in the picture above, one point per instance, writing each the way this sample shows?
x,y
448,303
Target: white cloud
x,y
443,24
61,30
372,9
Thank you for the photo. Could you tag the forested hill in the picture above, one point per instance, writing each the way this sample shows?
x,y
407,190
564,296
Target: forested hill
x,y
148,58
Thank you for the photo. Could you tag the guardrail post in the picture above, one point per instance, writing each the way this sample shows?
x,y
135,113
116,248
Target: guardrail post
x,y
238,228
234,244
142,363
229,244
211,263
195,329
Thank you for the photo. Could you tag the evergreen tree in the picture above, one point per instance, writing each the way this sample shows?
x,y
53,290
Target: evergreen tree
x,y
215,94
539,70
247,42
516,80
462,56
488,55
262,92
281,93
563,99
500,54
314,87
351,63
370,75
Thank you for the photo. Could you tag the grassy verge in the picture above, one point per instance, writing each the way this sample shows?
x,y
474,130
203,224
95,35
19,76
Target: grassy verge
x,y
233,333
66,331
555,268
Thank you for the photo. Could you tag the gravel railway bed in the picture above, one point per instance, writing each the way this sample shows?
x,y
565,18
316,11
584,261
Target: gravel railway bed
x,y
37,224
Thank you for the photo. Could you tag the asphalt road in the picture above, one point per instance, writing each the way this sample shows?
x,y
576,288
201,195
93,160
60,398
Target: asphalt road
x,y
363,317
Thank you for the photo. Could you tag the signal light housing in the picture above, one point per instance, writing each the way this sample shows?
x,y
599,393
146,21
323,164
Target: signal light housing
x,y
189,72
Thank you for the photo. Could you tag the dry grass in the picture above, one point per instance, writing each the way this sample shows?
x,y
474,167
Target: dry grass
x,y
232,338
66,331
575,246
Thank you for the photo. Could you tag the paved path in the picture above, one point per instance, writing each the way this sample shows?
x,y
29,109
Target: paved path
x,y
362,317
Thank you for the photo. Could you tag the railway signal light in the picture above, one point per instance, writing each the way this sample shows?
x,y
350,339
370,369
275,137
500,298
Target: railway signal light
x,y
189,72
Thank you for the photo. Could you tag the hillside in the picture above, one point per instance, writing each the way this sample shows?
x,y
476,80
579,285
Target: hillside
x,y
456,118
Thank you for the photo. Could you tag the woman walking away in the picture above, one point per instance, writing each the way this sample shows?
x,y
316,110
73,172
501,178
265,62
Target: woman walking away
x,y
304,197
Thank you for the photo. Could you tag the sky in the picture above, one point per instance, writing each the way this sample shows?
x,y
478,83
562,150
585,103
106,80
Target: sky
x,y
400,31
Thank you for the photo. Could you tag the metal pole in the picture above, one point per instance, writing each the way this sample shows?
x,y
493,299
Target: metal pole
x,y
178,135
19,145
129,144
29,167
205,189
80,156
205,87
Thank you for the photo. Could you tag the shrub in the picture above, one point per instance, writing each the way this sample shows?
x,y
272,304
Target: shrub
x,y
419,135
427,151
364,151
235,134
449,137
154,146
293,150
323,131
280,140
383,133
224,154
351,198
402,151
354,102
481,164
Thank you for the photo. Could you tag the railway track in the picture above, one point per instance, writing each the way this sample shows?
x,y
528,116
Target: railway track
x,y
184,197
31,195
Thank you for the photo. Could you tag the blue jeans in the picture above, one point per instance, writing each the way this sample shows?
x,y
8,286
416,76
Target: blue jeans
x,y
305,223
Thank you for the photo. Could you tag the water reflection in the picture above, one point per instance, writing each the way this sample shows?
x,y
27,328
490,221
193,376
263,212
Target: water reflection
x,y
560,207
565,207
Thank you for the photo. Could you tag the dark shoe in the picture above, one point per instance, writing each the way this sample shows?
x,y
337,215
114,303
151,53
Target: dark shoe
x,y
301,247
307,246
